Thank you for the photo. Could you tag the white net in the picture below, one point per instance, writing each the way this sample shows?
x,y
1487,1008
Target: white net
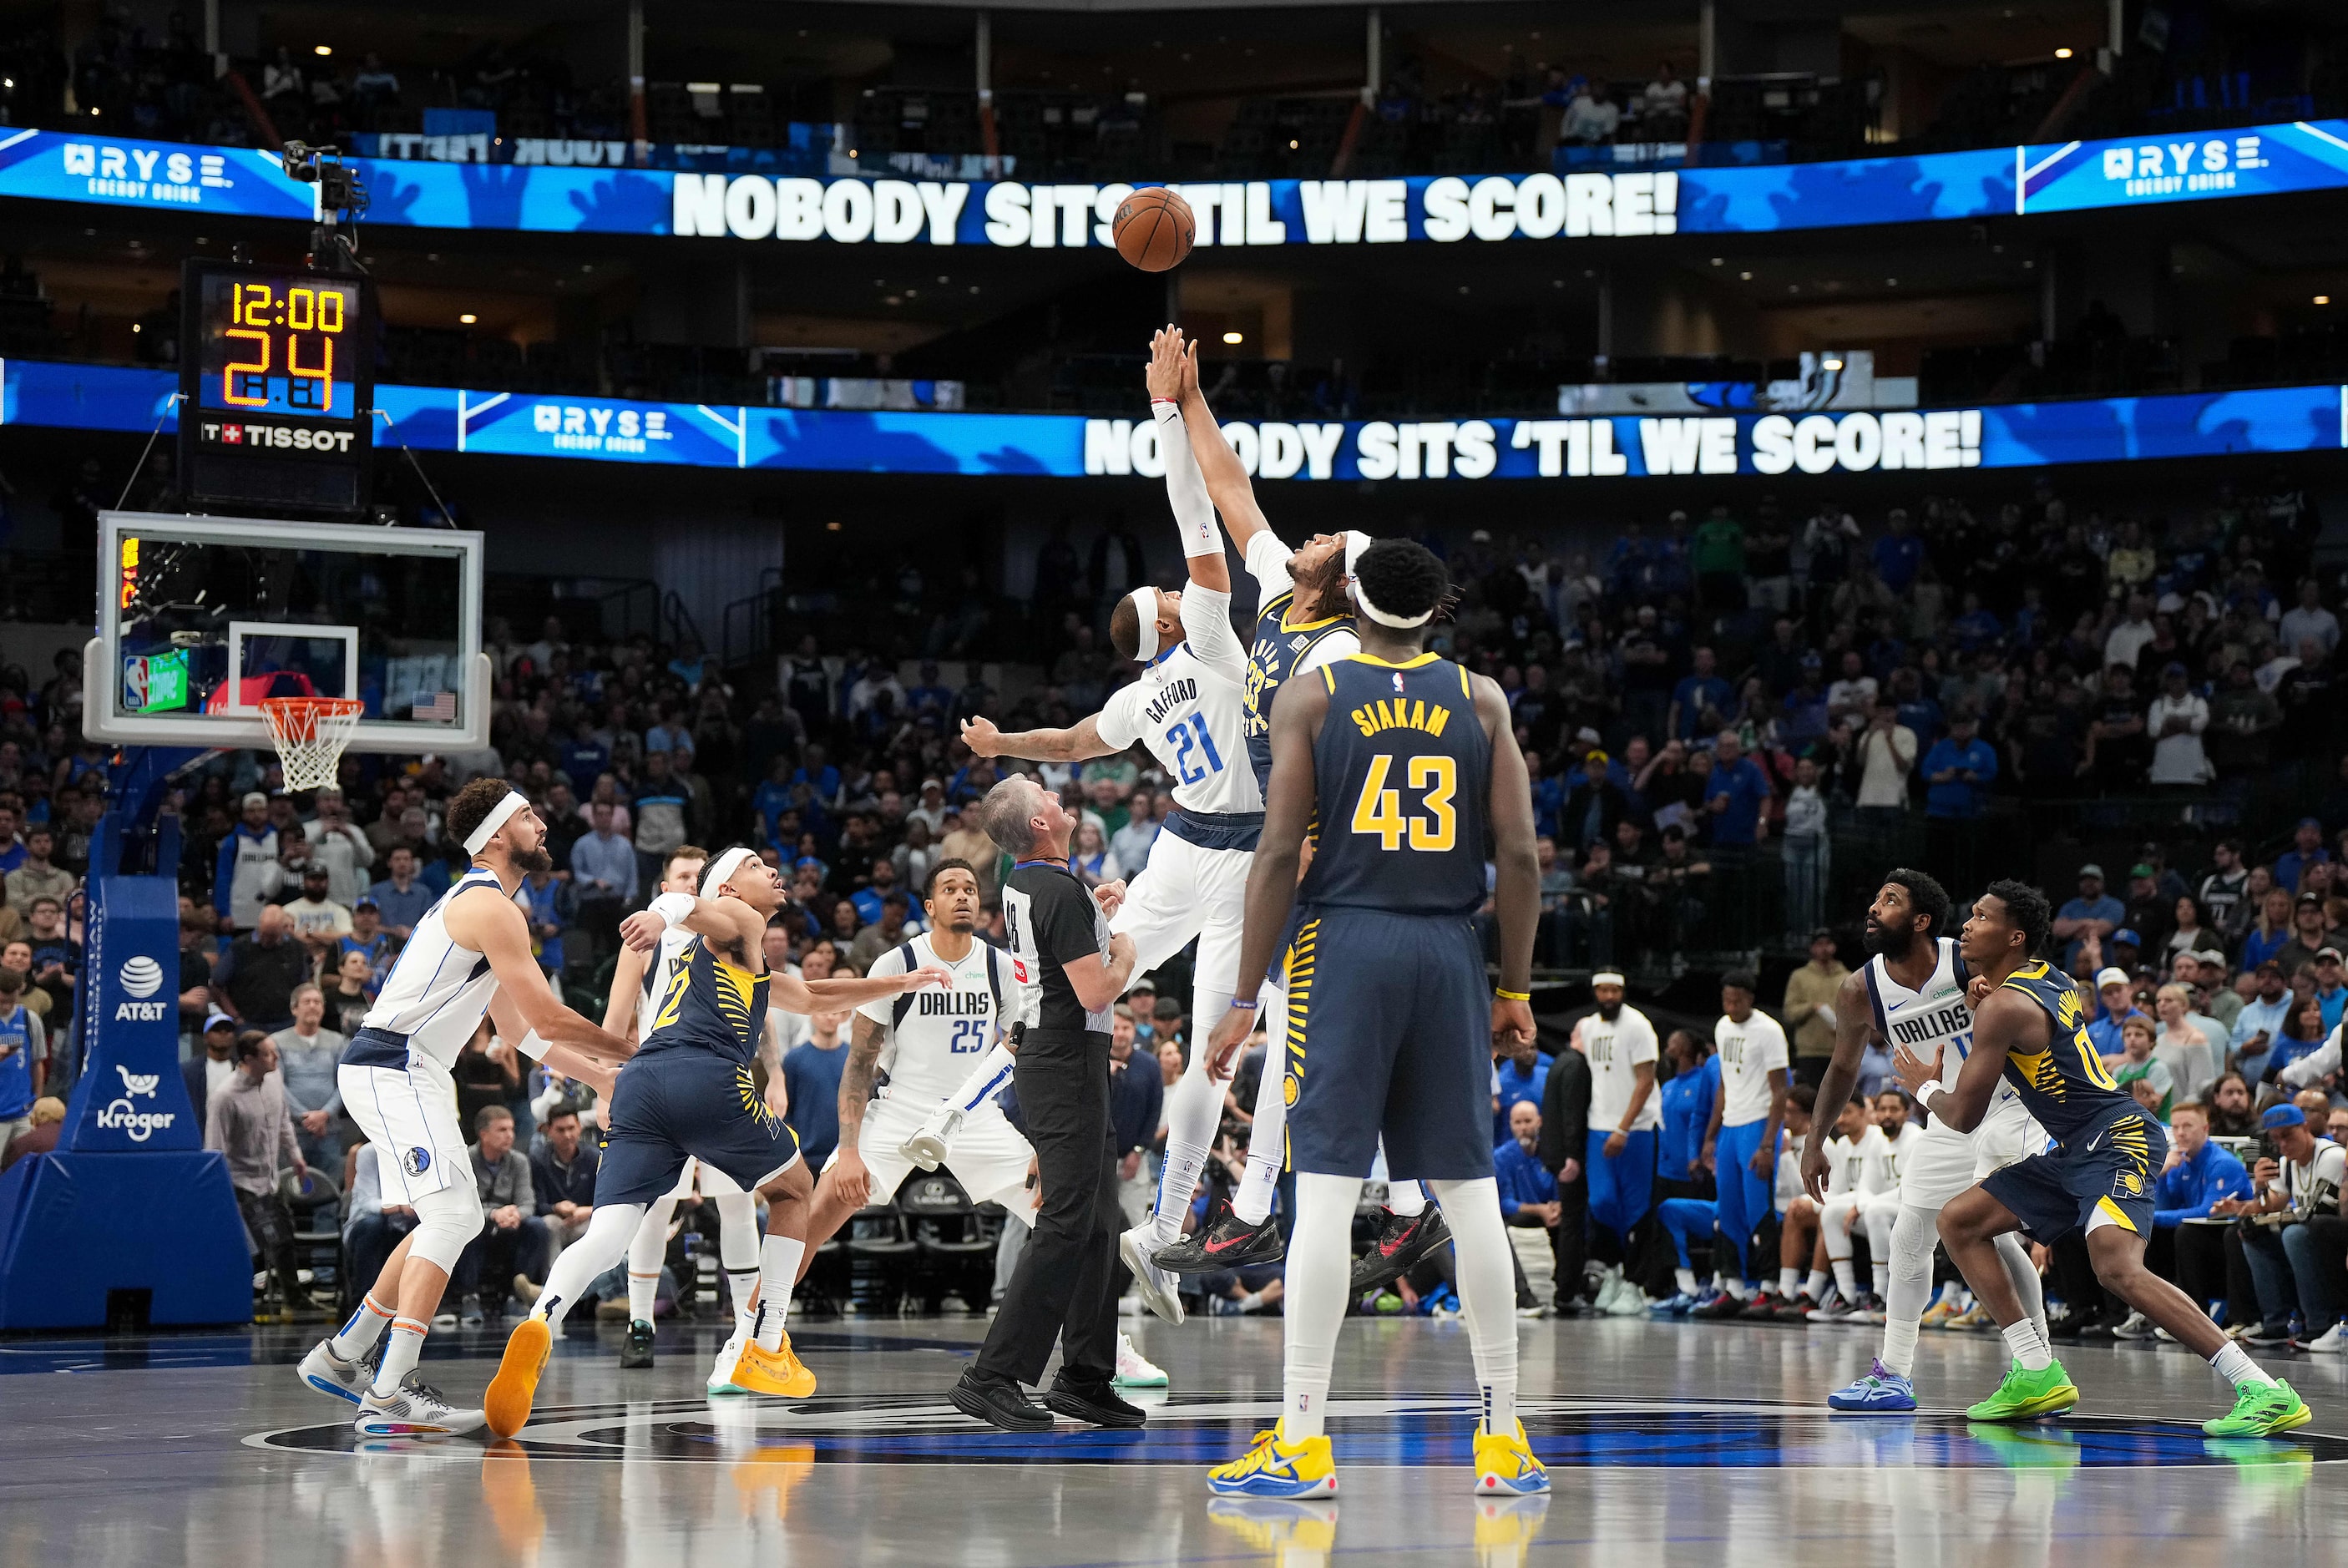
x,y
310,733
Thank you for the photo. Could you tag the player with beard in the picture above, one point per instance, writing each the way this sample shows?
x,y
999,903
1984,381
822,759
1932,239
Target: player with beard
x,y
689,1093
469,955
1911,993
1625,1112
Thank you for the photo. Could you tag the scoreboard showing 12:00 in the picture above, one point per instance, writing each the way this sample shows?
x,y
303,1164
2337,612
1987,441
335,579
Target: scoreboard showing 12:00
x,y
276,378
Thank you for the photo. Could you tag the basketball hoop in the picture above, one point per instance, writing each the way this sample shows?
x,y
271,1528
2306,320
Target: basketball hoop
x,y
310,733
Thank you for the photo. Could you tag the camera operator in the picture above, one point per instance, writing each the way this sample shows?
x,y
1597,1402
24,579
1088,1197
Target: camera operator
x,y
2293,1240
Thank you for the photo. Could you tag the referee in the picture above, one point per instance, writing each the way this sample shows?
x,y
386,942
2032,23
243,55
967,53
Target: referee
x,y
1071,972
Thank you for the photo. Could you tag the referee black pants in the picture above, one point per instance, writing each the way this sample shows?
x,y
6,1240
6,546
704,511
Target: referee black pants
x,y
1064,1287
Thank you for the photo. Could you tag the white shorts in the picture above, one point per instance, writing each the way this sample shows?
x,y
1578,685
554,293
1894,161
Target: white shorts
x,y
714,1183
1947,1162
1184,893
410,1117
989,1159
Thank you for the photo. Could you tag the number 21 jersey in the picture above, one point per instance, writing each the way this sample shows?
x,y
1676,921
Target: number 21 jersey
x,y
1189,708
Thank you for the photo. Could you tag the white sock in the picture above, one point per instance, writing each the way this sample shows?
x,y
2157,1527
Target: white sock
x,y
608,1236
358,1335
1738,1290
1846,1277
1249,1300
1485,1272
741,1284
1407,1199
2234,1364
401,1347
1267,1147
986,1080
2024,1275
778,1269
1816,1286
1788,1280
2029,1347
1319,1265
1879,1276
1685,1280
1192,1113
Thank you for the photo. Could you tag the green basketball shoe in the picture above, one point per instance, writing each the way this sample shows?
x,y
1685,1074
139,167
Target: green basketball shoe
x,y
2025,1395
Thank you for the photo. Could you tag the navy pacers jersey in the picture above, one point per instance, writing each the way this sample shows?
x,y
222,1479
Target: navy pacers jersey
x,y
2066,1086
1404,769
712,1004
1278,652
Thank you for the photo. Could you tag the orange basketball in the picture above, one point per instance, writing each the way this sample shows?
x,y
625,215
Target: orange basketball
x,y
1153,229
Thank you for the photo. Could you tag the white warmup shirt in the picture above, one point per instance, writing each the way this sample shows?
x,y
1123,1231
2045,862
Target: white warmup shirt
x,y
1749,1052
1615,1051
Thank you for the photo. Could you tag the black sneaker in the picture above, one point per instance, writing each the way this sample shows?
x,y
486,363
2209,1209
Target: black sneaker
x,y
2275,1331
2099,1329
1401,1243
1231,1242
1096,1404
999,1402
636,1355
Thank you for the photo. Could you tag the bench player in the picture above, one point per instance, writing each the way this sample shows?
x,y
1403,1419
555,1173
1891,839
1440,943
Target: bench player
x,y
1189,708
639,982
469,953
1409,767
1911,992
688,1093
1305,621
2030,1034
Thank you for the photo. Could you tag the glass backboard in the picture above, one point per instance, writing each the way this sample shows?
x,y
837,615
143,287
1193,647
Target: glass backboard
x,y
200,618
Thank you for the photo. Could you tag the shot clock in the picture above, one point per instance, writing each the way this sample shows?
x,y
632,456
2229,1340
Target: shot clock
x,y
276,378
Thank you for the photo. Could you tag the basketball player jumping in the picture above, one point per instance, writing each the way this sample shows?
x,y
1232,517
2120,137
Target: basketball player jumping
x,y
688,1093
1911,992
640,982
1189,708
470,953
1408,766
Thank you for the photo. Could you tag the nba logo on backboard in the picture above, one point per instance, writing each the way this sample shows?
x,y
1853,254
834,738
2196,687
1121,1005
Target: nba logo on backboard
x,y
134,683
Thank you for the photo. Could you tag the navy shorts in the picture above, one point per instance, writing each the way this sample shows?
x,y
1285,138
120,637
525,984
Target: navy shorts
x,y
1389,1030
2106,1169
671,1104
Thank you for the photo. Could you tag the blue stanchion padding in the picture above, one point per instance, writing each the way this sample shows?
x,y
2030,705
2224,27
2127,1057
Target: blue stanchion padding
x,y
130,1099
74,1226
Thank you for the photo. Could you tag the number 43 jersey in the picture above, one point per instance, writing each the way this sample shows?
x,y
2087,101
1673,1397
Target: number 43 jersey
x,y
1403,771
1189,708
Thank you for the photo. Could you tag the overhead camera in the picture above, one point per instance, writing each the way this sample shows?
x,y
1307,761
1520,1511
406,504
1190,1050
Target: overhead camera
x,y
342,200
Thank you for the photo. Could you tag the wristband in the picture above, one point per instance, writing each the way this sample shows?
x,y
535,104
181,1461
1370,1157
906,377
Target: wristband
x,y
1512,996
673,907
1244,1007
534,1046
1931,1087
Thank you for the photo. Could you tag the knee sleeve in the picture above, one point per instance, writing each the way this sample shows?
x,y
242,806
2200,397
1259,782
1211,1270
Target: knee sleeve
x,y
649,1246
1486,1272
445,1222
737,1231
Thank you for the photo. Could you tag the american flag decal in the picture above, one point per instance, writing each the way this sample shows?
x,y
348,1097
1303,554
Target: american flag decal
x,y
439,706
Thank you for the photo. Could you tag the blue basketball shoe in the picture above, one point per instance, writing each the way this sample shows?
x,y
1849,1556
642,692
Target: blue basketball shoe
x,y
1882,1392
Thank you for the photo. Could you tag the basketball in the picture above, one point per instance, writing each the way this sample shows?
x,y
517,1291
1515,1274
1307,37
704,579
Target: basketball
x,y
1153,229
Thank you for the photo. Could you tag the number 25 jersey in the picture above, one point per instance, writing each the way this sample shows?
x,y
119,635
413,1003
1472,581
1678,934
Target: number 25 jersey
x,y
1402,769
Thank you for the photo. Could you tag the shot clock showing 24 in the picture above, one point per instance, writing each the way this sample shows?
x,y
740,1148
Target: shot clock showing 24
x,y
277,381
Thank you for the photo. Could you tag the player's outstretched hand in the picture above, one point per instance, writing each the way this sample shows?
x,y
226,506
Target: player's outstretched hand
x,y
641,931
851,1180
1977,991
1814,1169
936,974
1512,1022
1224,1045
1164,377
980,735
1109,895
1914,1071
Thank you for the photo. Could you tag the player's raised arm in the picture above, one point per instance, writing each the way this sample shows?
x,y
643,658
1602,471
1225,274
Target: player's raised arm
x,y
1186,488
627,978
483,919
571,1061
1296,717
1854,1024
1078,743
793,995
1227,482
1516,889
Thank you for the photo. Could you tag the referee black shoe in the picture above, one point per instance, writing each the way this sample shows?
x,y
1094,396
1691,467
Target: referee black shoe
x,y
1401,1243
999,1402
1095,1403
1231,1242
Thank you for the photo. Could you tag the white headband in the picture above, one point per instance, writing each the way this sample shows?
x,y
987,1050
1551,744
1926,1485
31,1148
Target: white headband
x,y
499,814
1355,542
1399,622
721,870
1145,607
1606,977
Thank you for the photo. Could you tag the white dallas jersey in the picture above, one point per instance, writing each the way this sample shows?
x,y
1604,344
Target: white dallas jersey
x,y
1937,1020
1749,1052
938,1033
1189,708
1615,1051
437,991
658,968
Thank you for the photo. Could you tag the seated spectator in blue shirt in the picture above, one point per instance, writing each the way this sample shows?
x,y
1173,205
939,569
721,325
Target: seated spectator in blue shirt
x,y
1696,693
1958,771
402,898
2093,912
1687,1096
1522,1076
2202,1174
1736,795
2306,850
1898,554
1528,1191
2302,1035
2114,1006
771,799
